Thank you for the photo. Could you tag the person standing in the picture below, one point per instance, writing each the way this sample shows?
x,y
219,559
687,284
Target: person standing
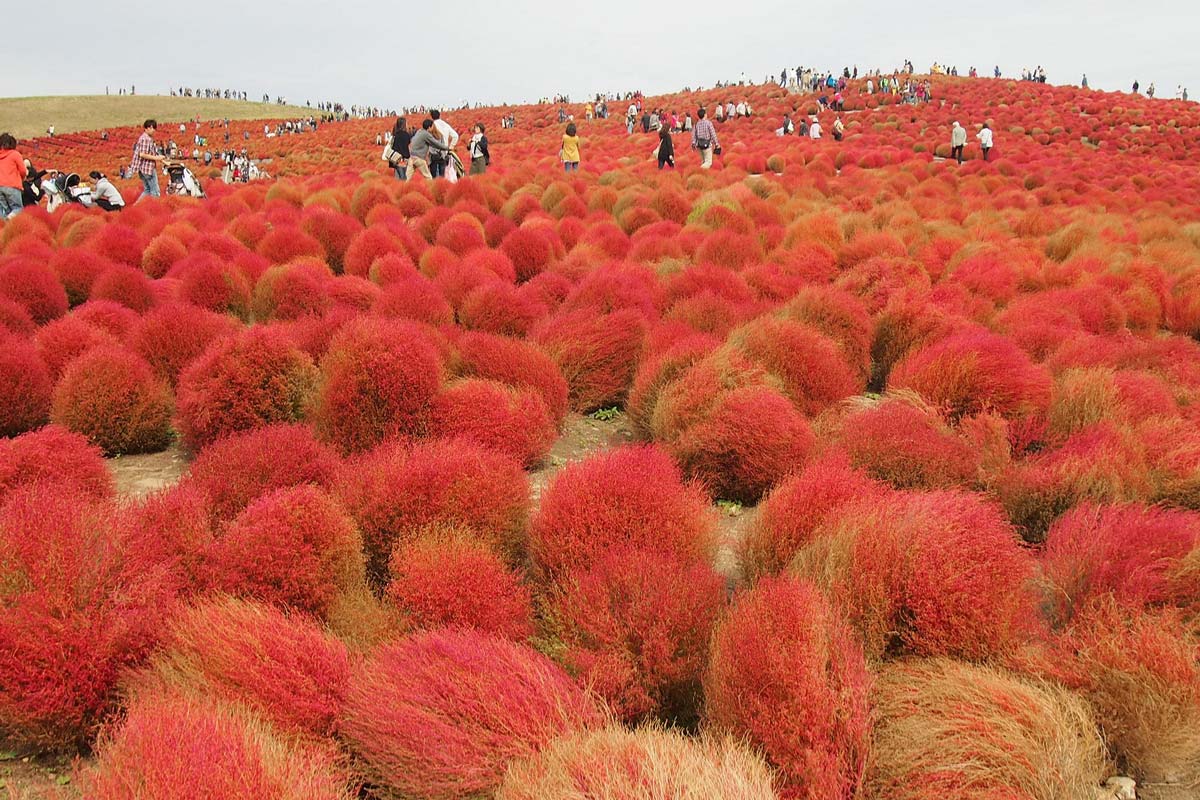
x,y
570,149
450,138
1136,86
839,129
985,140
1085,83
419,147
12,177
400,141
478,150
704,138
105,194
814,130
958,140
1150,90
146,160
666,149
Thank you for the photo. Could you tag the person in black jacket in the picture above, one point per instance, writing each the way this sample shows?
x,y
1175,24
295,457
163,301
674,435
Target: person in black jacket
x,y
666,149
478,148
400,139
31,187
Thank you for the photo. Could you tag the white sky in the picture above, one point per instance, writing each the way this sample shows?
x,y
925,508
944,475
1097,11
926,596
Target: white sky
x,y
393,53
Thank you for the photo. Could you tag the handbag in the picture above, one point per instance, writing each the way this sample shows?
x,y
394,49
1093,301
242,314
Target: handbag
x,y
717,150
702,143
391,156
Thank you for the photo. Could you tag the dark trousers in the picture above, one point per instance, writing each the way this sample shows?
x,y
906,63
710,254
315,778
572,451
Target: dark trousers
x,y
956,152
986,150
669,161
107,206
437,168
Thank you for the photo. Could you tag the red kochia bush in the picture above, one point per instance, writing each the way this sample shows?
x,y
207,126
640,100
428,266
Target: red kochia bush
x,y
399,488
378,380
211,283
75,615
448,578
25,387
176,747
242,466
596,353
748,442
112,397
516,363
631,497
1133,553
786,673
283,667
240,382
294,547
529,251
635,628
507,419
54,456
78,269
107,315
796,508
908,445
171,336
971,372
35,286
128,286
941,573
501,308
813,370
440,715
15,319
61,341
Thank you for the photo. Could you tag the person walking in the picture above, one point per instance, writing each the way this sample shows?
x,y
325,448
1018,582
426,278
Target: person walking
x,y
958,140
666,149
569,152
704,138
419,149
12,177
146,160
478,150
400,143
839,129
104,194
985,140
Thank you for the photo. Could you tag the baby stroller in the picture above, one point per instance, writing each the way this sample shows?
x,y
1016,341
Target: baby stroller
x,y
66,188
182,181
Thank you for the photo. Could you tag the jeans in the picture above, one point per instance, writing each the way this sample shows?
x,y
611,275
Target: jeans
x,y
437,168
956,152
149,184
570,166
401,173
10,202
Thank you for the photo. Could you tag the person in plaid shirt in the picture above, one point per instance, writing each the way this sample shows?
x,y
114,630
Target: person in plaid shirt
x,y
146,159
704,138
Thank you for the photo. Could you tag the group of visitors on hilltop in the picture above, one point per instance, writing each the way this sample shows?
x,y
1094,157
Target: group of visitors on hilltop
x,y
430,149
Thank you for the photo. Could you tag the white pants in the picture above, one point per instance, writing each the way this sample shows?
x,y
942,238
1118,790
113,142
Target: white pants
x,y
706,158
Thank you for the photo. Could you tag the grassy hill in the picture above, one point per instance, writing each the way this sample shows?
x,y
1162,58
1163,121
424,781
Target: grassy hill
x,y
27,117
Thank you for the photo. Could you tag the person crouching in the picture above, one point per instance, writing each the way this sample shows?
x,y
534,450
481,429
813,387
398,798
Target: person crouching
x,y
104,194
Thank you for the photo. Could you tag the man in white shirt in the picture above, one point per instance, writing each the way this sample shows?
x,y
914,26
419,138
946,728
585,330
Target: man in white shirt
x,y
450,138
985,140
104,194
958,140
814,130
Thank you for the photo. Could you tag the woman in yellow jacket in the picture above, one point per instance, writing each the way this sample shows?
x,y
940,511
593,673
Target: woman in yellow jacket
x,y
570,149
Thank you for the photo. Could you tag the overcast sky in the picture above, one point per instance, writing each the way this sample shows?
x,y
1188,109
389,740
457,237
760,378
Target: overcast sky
x,y
392,54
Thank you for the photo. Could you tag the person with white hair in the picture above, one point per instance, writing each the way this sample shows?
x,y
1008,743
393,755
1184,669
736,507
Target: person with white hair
x,y
814,129
958,140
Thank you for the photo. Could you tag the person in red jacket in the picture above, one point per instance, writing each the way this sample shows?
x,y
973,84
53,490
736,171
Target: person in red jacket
x,y
12,176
